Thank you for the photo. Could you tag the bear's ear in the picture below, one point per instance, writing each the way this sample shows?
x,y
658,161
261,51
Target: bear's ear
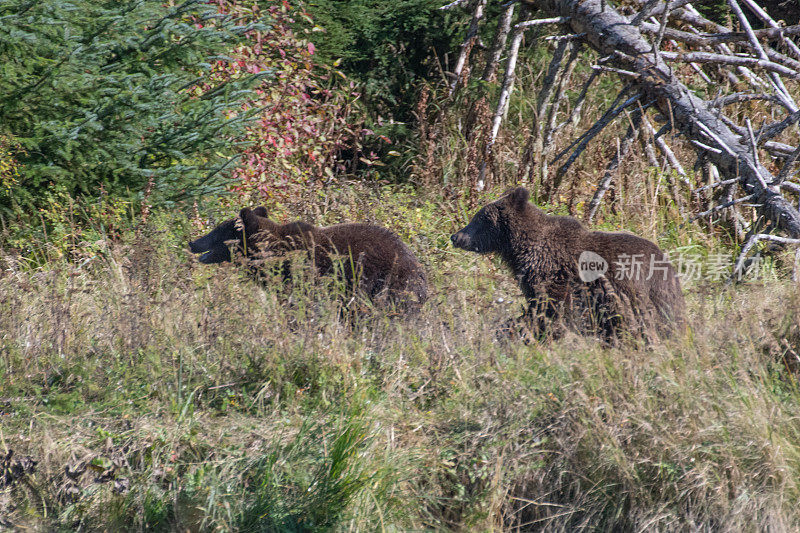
x,y
249,221
261,211
519,198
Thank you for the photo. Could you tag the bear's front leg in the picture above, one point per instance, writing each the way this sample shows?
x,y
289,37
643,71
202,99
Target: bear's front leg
x,y
543,316
539,321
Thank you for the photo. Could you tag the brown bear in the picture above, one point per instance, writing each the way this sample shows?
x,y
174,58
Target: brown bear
x,y
595,280
370,258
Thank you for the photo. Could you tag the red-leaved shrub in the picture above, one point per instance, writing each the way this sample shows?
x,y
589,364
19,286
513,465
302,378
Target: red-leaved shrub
x,y
307,131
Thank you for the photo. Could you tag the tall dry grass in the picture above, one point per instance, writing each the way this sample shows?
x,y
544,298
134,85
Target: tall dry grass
x,y
158,393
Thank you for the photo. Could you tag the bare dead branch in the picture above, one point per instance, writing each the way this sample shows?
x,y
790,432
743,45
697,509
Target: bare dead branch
x,y
583,140
760,13
735,98
787,166
675,44
499,43
570,37
675,4
720,207
773,130
705,147
723,59
690,15
737,267
552,112
615,70
545,97
732,125
578,105
723,183
780,89
752,139
511,65
715,39
645,12
660,36
705,130
612,112
778,149
469,42
539,22
665,150
505,90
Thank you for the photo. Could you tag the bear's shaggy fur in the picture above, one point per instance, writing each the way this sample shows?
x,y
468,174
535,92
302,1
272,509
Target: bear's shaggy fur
x,y
370,258
640,289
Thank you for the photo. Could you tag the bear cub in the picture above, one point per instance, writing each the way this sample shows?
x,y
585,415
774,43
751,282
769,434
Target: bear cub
x,y
598,282
370,258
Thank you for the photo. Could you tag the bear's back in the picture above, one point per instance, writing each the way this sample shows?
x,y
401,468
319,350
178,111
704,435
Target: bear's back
x,y
387,263
375,243
642,271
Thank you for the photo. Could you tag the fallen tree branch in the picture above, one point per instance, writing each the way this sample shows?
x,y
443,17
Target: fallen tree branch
x,y
785,172
604,68
779,150
570,37
579,101
736,98
760,13
716,39
739,264
666,151
511,65
773,130
453,4
584,140
711,39
720,207
548,102
539,22
717,184
739,61
608,31
613,111
780,89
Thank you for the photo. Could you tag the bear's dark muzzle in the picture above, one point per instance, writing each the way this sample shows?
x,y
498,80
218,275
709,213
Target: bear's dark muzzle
x,y
195,247
461,240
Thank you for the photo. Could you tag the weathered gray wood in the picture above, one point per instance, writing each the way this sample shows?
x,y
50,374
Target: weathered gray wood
x,y
469,42
499,43
611,34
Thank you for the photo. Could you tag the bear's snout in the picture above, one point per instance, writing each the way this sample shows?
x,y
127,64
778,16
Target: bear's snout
x,y
195,247
461,240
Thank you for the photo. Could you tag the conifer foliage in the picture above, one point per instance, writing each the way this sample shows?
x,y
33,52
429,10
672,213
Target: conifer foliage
x,y
120,96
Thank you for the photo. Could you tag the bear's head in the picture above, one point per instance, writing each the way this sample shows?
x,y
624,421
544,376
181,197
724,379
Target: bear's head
x,y
488,230
213,247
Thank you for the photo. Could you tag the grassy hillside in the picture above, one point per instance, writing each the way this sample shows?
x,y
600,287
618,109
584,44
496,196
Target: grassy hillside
x,y
157,393
141,390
